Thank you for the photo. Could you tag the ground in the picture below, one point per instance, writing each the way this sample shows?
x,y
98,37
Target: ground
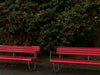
x,y
20,69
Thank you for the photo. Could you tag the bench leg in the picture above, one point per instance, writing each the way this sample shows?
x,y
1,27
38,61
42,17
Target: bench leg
x,y
58,66
34,65
54,67
31,68
29,65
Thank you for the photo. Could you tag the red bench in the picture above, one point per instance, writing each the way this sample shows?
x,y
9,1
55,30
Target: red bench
x,y
20,49
87,51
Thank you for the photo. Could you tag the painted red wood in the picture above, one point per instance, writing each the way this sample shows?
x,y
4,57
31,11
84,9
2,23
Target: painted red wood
x,y
19,49
92,62
78,51
52,52
89,51
22,58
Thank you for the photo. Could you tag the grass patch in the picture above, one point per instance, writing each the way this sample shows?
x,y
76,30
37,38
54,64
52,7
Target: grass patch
x,y
44,60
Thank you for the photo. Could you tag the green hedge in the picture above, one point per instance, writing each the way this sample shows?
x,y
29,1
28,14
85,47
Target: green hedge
x,y
48,23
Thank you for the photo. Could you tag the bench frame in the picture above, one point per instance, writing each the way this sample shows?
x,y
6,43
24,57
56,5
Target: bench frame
x,y
54,67
35,56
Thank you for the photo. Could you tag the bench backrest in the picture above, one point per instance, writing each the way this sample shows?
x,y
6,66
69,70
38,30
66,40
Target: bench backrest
x,y
19,49
79,51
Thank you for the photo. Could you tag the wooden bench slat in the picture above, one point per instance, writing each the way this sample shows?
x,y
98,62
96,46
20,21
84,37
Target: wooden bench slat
x,y
75,61
79,54
78,50
19,49
16,58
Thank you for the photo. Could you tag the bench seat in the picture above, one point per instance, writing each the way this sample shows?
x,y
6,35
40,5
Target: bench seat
x,y
21,58
75,61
